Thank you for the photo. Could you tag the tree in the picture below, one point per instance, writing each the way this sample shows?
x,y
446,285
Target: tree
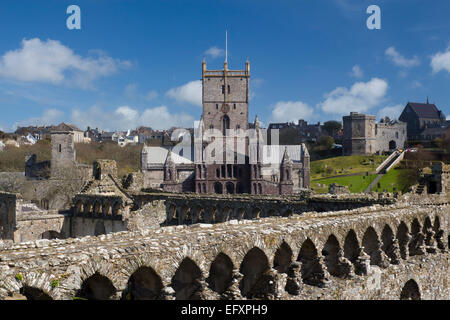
x,y
326,141
331,127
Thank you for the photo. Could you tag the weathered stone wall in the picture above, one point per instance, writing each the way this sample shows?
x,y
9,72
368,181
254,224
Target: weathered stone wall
x,y
10,204
212,208
379,252
81,227
387,134
44,226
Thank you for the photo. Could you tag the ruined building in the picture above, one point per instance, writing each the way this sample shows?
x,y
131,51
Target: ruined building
x,y
227,157
363,136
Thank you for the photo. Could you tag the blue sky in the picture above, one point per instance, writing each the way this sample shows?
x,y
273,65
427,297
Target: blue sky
x,y
138,62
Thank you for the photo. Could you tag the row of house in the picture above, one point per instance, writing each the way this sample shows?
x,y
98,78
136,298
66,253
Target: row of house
x,y
32,134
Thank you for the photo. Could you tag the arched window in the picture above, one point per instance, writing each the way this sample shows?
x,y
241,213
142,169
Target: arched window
x,y
225,124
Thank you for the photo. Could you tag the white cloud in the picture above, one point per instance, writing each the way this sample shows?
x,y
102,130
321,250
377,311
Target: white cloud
x,y
190,92
361,97
400,60
151,95
441,61
287,111
393,112
448,117
126,117
51,62
215,52
357,72
49,117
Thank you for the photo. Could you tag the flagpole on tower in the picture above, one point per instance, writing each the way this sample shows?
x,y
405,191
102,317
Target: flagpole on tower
x,y
226,45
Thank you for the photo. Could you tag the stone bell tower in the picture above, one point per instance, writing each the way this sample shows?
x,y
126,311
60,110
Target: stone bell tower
x,y
225,98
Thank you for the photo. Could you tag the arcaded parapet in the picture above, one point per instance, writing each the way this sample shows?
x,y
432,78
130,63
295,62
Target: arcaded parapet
x,y
389,252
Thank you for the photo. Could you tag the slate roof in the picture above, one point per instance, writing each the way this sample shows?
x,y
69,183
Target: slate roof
x,y
425,110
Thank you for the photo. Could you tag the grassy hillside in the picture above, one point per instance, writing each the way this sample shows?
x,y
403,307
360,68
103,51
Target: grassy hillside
x,y
344,165
356,184
128,158
12,159
397,180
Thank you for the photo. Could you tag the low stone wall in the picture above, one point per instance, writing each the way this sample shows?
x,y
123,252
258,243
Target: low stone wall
x,y
47,226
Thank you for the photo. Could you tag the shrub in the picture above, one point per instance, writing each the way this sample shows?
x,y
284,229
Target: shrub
x,y
54,283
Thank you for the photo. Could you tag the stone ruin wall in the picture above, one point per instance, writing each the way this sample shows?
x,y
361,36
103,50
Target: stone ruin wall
x,y
377,252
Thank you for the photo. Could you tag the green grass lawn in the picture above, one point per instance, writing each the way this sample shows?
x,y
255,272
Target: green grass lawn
x,y
344,165
356,184
397,180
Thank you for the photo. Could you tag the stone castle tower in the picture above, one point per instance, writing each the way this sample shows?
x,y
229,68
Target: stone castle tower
x,y
63,152
359,134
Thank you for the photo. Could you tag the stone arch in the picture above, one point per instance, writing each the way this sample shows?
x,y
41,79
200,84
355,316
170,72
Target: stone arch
x,y
198,215
223,215
253,266
427,224
99,228
218,187
371,245
240,213
415,246
410,291
32,293
97,208
272,213
283,258
117,209
144,284
88,208
230,187
392,144
50,234
220,273
210,215
172,214
256,212
78,207
311,265
184,214
389,244
403,238
97,287
330,252
107,210
186,280
438,233
351,246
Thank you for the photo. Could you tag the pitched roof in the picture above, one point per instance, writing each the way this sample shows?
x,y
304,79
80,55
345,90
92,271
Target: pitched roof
x,y
66,127
424,110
